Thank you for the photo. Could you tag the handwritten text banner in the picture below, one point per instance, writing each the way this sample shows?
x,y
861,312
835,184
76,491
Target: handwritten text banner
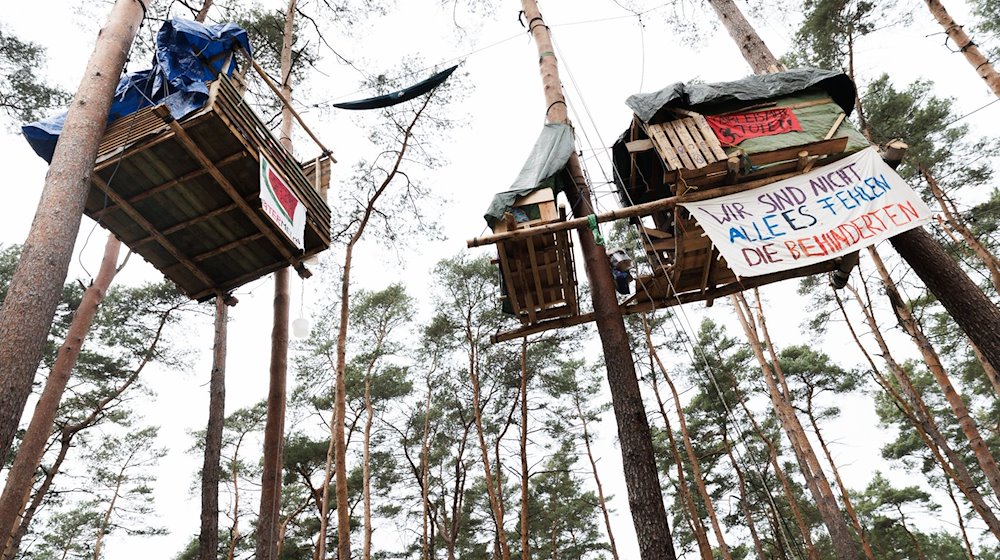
x,y
831,211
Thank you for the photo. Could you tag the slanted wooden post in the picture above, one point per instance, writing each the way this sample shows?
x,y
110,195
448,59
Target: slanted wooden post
x,y
645,496
37,284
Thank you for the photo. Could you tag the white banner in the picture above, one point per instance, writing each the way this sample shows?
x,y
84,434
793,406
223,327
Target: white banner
x,y
280,203
831,211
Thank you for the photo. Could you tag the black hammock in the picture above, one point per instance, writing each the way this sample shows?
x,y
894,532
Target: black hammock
x,y
400,96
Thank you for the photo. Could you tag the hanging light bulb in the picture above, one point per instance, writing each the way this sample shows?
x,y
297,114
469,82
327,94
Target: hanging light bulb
x,y
312,260
301,327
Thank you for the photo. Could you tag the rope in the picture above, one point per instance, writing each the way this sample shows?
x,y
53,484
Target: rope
x,y
592,223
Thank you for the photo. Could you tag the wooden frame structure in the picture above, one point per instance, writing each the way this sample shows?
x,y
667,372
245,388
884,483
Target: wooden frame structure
x,y
663,165
185,195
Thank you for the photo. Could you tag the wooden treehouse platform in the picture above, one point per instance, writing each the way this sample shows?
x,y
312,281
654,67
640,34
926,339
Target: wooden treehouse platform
x,y
537,271
185,195
659,166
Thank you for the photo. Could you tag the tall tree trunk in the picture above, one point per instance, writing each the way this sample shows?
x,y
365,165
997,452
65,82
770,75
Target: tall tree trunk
x,y
744,502
366,551
697,527
988,259
208,540
844,494
35,288
638,459
601,501
972,311
491,493
786,485
980,63
923,421
274,427
961,519
754,50
22,471
933,361
425,474
525,551
819,487
699,479
102,529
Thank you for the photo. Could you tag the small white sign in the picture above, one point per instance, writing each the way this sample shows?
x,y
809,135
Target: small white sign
x,y
831,211
280,203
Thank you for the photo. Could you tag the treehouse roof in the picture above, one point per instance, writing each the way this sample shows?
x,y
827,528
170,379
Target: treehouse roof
x,y
649,107
188,56
548,157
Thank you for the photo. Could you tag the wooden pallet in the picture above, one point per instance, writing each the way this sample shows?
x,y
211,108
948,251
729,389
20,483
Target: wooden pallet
x,y
185,194
538,276
686,143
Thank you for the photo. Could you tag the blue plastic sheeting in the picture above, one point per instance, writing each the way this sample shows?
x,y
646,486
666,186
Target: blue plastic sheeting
x,y
188,55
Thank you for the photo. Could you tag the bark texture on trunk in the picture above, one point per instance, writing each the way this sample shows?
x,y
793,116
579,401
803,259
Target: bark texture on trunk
x,y
966,46
911,403
978,317
639,462
22,471
268,521
525,549
699,479
274,426
36,286
754,50
968,426
819,487
208,539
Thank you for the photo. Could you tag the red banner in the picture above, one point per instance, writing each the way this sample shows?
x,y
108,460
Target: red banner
x,y
733,128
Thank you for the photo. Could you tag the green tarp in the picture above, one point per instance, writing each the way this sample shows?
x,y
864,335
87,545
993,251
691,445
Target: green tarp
x,y
816,121
540,171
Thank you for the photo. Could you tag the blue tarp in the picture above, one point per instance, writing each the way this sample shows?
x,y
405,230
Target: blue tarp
x,y
188,55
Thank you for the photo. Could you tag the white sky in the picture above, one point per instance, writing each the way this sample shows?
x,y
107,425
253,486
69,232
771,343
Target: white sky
x,y
602,53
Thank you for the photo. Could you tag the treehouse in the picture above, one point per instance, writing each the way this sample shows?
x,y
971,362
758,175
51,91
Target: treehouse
x,y
191,179
703,141
729,186
537,277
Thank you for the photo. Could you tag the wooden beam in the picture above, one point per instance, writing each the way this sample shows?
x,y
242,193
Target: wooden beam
x,y
189,222
170,184
150,229
206,162
274,87
643,209
227,247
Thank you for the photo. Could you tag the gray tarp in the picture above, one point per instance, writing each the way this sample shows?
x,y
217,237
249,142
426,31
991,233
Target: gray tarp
x,y
548,158
765,86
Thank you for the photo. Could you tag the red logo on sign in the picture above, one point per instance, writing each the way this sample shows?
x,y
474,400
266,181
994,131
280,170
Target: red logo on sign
x,y
734,128
283,195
